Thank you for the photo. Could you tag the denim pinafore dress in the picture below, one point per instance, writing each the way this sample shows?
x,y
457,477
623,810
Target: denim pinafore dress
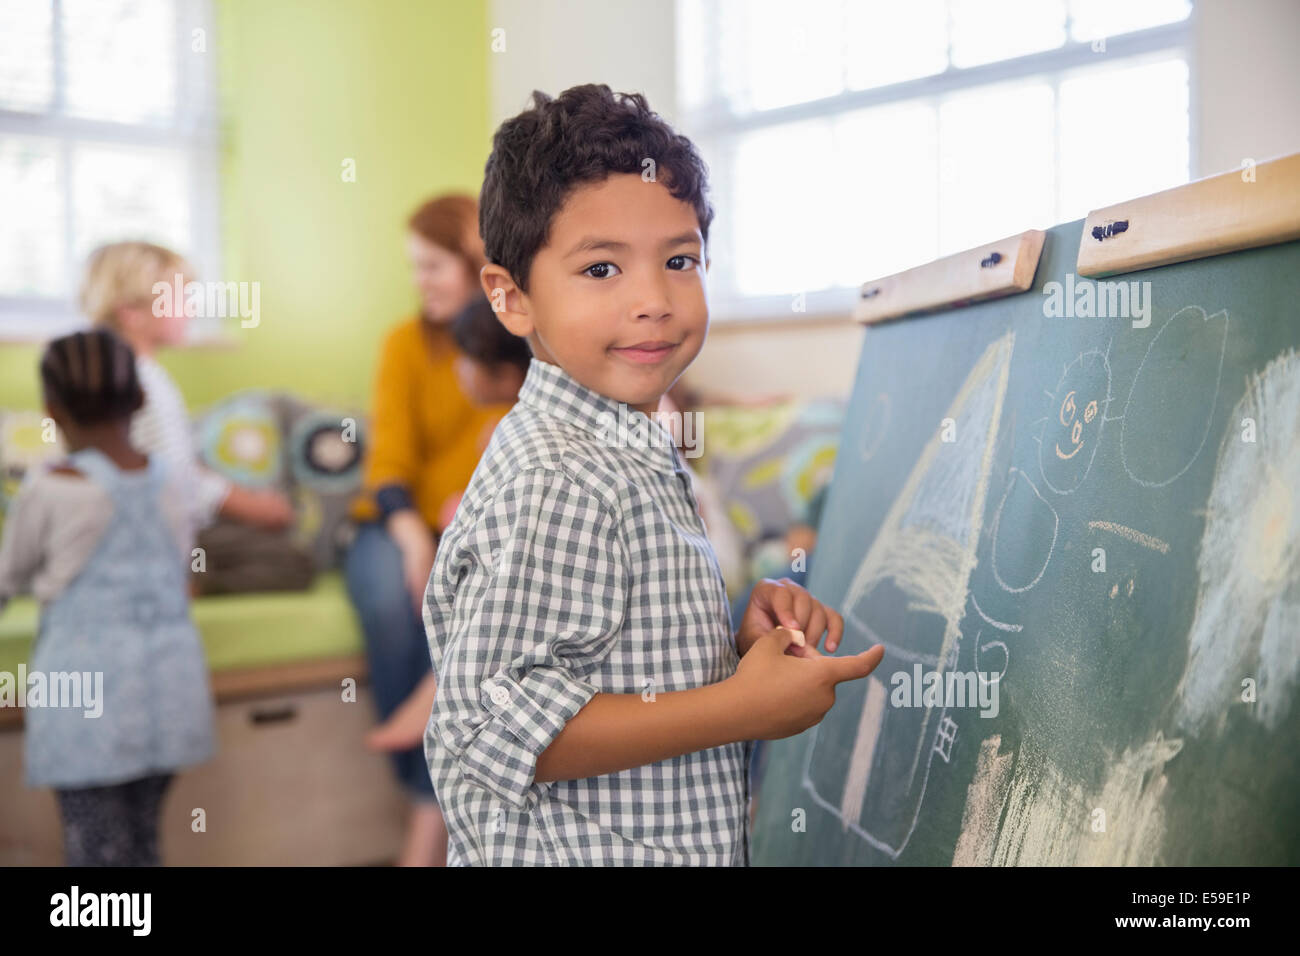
x,y
126,616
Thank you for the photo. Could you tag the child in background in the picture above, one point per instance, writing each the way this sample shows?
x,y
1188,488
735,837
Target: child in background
x,y
117,293
493,362
100,540
491,370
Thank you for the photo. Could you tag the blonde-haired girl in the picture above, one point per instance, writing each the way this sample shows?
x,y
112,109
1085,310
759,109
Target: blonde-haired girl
x,y
118,292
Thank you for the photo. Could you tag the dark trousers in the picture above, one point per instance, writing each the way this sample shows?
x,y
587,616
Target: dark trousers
x,y
397,649
115,825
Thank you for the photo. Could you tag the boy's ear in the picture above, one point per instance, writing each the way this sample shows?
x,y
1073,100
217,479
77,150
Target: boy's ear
x,y
507,300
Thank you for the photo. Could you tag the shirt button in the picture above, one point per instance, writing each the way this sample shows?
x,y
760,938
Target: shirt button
x,y
500,696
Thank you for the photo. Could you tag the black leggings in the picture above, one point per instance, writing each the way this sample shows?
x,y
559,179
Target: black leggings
x,y
113,826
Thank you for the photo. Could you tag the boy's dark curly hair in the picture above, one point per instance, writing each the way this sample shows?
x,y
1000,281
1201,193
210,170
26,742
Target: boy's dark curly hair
x,y
581,136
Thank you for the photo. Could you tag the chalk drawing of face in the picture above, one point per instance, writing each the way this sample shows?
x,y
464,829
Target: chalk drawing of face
x,y
1076,417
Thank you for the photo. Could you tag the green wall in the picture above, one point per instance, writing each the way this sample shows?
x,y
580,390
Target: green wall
x,y
398,85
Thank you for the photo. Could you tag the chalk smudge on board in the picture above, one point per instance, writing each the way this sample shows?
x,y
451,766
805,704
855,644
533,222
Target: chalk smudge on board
x,y
1022,810
985,798
1247,618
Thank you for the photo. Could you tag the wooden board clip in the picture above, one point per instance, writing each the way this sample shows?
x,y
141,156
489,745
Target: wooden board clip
x,y
995,269
1257,205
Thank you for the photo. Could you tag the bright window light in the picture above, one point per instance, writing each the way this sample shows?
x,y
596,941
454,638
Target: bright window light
x,y
850,139
107,132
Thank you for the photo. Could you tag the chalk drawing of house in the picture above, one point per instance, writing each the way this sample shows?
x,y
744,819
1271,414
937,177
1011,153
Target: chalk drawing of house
x,y
910,594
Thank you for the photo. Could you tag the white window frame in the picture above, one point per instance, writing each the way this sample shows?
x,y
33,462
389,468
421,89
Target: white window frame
x,y
193,129
718,128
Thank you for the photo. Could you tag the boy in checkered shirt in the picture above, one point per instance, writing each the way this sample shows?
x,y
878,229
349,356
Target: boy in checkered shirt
x,y
593,705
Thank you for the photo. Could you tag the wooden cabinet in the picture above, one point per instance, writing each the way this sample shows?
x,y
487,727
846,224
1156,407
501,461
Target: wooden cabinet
x,y
292,782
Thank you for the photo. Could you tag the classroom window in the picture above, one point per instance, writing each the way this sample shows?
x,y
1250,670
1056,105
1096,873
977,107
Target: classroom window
x,y
848,139
107,131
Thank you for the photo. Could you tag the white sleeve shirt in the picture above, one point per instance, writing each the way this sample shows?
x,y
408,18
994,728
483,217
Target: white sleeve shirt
x,y
162,428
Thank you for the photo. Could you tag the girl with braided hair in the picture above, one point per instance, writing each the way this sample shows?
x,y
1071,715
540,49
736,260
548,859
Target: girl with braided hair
x,y
101,539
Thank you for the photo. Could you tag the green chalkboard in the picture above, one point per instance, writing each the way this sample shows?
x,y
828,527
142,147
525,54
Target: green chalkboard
x,y
1097,520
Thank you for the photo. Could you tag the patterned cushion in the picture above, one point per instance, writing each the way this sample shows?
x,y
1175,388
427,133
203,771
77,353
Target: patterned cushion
x,y
240,437
324,451
275,440
769,463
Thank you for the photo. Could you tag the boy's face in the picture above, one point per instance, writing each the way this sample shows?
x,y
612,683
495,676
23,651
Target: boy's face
x,y
618,296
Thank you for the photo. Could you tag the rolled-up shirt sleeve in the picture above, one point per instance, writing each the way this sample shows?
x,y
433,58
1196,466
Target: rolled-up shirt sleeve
x,y
526,605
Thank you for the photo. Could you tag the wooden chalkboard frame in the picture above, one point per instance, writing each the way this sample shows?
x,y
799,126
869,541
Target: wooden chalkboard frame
x,y
1257,205
989,271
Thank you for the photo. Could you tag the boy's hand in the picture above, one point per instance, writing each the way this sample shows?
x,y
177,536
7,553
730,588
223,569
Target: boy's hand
x,y
783,695
785,604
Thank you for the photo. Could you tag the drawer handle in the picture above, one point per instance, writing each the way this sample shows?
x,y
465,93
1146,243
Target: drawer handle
x,y
273,715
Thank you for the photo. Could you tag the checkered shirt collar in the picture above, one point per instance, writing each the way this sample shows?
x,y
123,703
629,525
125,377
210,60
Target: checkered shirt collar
x,y
553,391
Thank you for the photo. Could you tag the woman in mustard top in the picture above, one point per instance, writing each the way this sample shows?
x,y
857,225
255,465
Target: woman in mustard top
x,y
426,437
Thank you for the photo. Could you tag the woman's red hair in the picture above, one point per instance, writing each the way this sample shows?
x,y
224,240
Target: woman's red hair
x,y
451,221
